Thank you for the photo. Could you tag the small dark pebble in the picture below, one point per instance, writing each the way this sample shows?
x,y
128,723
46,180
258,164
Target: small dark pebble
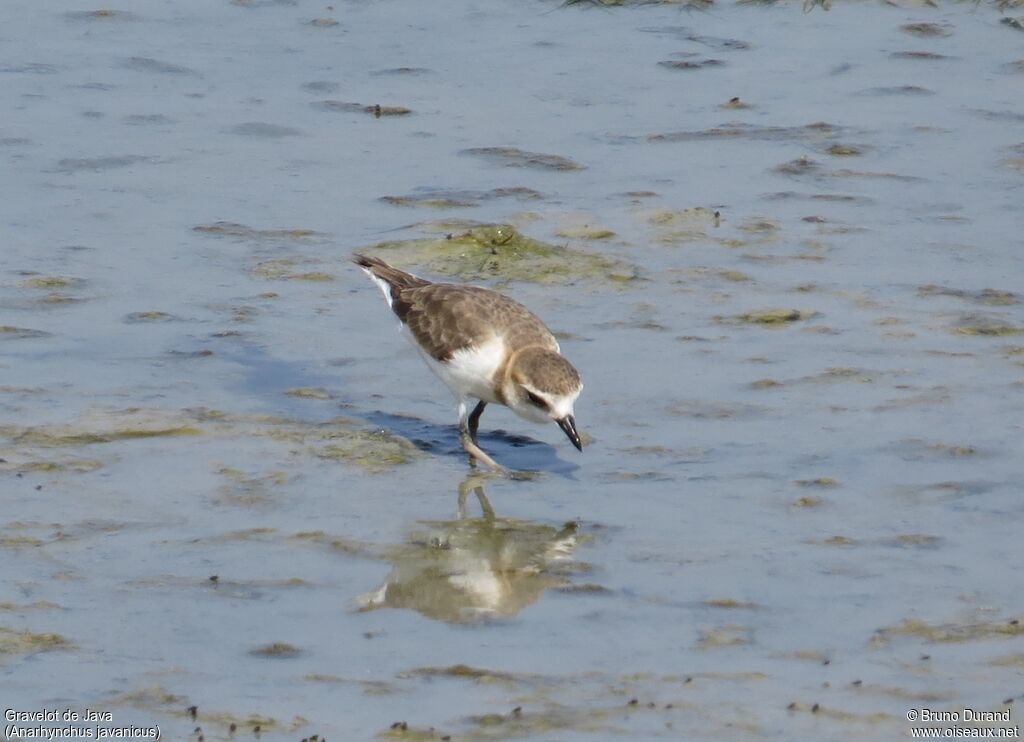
x,y
193,711
1014,621
400,725
687,679
791,707
38,487
815,708
446,738
668,705
517,710
633,702
256,729
650,704
925,657
214,578
233,728
1007,701
826,662
197,730
857,682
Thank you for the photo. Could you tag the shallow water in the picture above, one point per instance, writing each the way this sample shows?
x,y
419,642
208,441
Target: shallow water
x,y
228,483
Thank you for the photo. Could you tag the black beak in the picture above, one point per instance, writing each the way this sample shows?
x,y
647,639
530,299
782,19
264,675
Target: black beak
x,y
568,426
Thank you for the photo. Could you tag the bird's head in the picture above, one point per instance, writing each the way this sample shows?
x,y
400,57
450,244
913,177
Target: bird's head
x,y
543,386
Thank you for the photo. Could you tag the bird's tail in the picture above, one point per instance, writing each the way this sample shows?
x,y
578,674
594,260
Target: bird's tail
x,y
394,278
390,280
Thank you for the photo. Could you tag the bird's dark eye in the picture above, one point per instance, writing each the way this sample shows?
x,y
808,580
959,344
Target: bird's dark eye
x,y
536,401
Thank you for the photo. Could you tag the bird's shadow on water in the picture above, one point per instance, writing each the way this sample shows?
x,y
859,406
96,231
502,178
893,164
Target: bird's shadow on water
x,y
517,452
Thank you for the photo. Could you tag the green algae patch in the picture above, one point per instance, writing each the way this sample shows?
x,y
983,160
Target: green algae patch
x,y
76,466
103,14
585,232
342,545
730,604
149,316
243,490
103,429
372,451
17,541
39,605
276,650
7,332
153,697
680,226
989,297
401,730
461,199
927,30
760,226
1015,661
428,202
800,166
727,635
914,540
467,672
771,317
734,276
844,150
948,633
374,109
919,55
819,482
241,231
289,269
49,282
986,327
370,687
838,541
914,449
500,251
586,588
20,643
309,393
515,157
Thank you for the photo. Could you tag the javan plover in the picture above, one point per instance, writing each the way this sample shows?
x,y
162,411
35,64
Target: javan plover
x,y
483,346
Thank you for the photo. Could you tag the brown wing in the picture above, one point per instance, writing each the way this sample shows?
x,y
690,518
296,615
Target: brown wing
x,y
447,317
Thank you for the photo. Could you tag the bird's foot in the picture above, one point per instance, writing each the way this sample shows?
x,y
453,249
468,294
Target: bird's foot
x,y
476,453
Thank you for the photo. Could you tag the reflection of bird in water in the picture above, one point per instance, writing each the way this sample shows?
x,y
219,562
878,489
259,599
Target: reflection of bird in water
x,y
475,568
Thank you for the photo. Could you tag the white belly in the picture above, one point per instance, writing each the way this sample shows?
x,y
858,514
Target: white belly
x,y
470,372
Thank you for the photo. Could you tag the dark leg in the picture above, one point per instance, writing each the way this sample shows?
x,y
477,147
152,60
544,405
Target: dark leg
x,y
474,419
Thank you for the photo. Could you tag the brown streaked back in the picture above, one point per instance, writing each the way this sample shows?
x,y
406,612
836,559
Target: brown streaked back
x,y
445,317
